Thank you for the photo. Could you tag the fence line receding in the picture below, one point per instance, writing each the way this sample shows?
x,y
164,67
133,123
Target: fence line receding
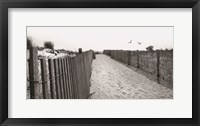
x,y
157,63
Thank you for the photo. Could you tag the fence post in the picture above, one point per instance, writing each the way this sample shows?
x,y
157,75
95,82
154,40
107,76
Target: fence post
x,y
93,54
157,66
80,50
45,87
33,74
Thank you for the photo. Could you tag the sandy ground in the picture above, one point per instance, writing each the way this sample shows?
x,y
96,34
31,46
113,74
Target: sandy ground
x,y
112,80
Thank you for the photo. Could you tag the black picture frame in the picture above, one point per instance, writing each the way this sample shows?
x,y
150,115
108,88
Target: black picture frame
x,y
4,73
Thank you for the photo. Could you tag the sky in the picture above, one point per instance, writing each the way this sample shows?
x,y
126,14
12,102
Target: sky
x,y
100,38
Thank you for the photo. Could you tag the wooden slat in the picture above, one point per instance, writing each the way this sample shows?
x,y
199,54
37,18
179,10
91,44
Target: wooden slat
x,y
129,57
60,78
82,78
157,66
52,79
138,60
64,78
85,77
45,86
72,79
90,67
33,74
69,80
79,73
68,93
57,82
28,82
85,68
78,79
75,78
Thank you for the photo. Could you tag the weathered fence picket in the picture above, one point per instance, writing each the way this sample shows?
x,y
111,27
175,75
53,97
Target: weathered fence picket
x,y
157,66
33,74
66,79
45,87
57,78
72,80
69,74
61,78
52,79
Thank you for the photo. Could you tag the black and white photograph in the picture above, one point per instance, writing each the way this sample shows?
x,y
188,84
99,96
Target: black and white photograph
x,y
99,62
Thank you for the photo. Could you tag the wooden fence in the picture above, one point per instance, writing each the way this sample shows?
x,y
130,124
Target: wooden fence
x,y
157,63
59,78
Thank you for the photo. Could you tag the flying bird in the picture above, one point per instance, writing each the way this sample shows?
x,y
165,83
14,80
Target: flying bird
x,y
130,41
139,43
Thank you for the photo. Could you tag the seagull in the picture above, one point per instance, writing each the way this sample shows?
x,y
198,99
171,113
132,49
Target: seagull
x,y
139,43
130,41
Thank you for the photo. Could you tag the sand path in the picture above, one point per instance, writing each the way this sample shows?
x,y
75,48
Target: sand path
x,y
112,80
